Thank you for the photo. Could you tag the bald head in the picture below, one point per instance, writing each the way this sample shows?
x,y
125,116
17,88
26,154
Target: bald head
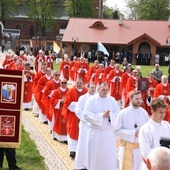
x,y
159,159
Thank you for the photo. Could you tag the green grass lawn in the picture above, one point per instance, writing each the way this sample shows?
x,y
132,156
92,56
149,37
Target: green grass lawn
x,y
144,69
28,156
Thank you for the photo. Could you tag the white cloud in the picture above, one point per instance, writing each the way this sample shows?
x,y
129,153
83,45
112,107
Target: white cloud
x,y
121,4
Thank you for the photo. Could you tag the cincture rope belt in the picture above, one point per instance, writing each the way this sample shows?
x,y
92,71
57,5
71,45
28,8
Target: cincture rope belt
x,y
127,158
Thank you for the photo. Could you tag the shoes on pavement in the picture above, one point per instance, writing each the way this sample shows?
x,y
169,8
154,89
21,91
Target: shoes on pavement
x,y
55,139
36,115
65,142
72,154
45,122
26,109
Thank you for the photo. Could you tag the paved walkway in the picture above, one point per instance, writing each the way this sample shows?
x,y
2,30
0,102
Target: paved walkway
x,y
56,154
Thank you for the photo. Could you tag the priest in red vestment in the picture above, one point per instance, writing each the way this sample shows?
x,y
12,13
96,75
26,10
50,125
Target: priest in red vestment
x,y
115,76
152,83
39,92
107,70
81,68
28,83
50,60
59,130
64,67
38,75
123,83
40,59
162,90
132,84
72,69
48,91
92,70
70,102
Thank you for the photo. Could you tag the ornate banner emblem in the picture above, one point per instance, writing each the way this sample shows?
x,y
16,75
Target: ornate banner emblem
x,y
11,98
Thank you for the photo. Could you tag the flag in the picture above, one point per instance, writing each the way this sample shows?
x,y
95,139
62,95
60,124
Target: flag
x,y
56,48
31,46
102,48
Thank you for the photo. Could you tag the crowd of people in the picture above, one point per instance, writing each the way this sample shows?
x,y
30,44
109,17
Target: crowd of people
x,y
107,101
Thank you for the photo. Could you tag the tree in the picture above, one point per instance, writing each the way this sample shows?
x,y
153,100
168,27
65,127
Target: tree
x,y
44,12
149,9
8,8
107,12
133,7
116,13
80,8
154,9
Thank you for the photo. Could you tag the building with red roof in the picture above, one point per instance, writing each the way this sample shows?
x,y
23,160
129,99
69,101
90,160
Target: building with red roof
x,y
117,35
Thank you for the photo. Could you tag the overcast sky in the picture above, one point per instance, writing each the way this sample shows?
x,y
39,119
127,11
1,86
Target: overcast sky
x,y
121,4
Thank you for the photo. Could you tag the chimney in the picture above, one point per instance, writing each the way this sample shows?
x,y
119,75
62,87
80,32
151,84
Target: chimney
x,y
120,20
169,21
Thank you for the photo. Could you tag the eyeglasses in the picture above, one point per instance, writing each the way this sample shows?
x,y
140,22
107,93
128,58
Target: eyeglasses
x,y
63,82
57,74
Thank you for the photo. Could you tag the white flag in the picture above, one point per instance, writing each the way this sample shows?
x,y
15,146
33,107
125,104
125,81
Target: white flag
x,y
102,48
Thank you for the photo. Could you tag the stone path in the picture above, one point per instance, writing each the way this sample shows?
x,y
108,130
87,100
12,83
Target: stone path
x,y
56,154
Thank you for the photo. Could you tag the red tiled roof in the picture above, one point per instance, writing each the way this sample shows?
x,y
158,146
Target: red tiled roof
x,y
113,33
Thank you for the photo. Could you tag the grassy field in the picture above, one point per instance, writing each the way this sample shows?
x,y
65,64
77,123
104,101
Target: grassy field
x,y
144,69
28,157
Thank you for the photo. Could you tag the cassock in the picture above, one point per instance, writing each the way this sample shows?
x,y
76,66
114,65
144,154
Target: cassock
x,y
48,91
101,145
98,76
162,91
132,84
64,69
71,70
59,128
128,121
28,83
38,96
115,79
149,137
107,70
151,86
91,73
69,113
50,61
81,152
81,69
38,75
122,89
38,62
6,63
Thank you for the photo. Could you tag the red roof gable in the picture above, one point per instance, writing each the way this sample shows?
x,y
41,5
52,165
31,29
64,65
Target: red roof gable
x,y
131,30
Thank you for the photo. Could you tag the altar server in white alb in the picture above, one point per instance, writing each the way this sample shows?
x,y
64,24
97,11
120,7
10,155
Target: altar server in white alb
x,y
154,129
100,112
127,127
80,161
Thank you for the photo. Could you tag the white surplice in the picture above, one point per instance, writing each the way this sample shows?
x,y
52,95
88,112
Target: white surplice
x,y
80,159
125,129
149,137
101,146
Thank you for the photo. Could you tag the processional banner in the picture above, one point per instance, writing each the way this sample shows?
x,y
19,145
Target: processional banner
x,y
11,98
